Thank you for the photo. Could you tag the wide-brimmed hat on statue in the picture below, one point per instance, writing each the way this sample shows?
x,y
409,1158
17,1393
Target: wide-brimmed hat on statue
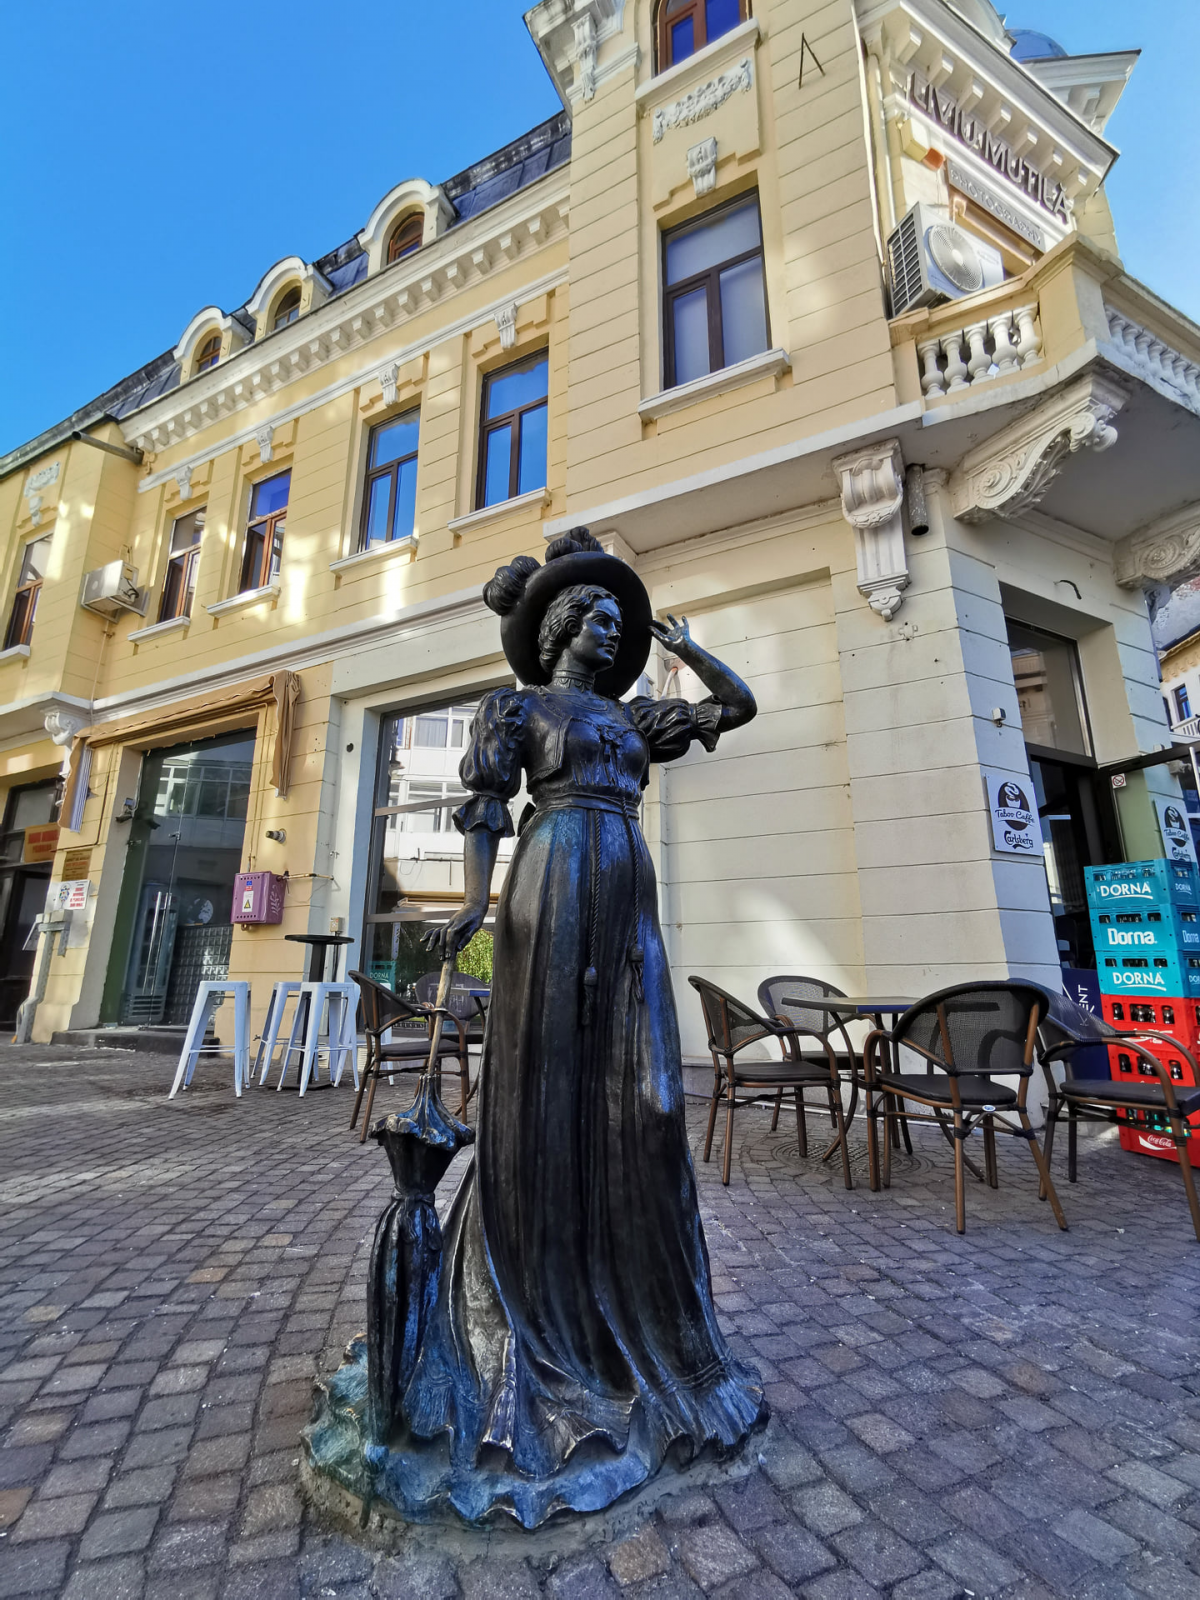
x,y
521,593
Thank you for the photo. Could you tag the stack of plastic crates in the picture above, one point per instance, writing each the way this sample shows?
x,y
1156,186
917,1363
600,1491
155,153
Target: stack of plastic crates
x,y
1145,919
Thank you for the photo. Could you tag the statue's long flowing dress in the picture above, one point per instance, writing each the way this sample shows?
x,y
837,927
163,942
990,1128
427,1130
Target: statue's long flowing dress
x,y
574,1344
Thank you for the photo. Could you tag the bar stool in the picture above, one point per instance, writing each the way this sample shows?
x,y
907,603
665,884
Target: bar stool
x,y
337,1004
208,997
273,1026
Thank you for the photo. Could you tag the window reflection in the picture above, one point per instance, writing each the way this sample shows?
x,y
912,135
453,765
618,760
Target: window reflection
x,y
1049,691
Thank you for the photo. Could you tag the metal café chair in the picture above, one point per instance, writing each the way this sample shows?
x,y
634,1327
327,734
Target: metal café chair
x,y
468,998
778,997
731,1027
968,1036
382,1011
1152,1095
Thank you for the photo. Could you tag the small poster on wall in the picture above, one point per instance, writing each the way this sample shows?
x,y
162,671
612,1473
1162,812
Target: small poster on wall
x,y
1175,829
1016,828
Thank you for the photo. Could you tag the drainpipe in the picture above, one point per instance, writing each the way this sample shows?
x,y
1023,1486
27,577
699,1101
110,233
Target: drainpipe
x,y
52,925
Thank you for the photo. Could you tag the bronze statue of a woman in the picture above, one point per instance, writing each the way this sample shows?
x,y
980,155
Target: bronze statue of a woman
x,y
573,1347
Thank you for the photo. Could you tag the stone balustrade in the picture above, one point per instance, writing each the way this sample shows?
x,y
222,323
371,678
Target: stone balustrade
x,y
992,347
1155,360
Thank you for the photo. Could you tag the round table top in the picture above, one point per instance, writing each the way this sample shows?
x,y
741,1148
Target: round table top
x,y
319,938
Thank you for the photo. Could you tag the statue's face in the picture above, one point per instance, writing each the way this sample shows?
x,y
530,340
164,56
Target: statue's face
x,y
594,647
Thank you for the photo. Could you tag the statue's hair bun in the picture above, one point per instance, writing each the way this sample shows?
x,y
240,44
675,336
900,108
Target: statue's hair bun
x,y
577,542
507,587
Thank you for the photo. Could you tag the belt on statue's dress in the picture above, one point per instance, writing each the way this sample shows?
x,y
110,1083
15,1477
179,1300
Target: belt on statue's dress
x,y
627,810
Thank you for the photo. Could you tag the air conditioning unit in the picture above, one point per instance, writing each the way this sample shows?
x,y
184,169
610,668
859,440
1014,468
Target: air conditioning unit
x,y
111,589
931,259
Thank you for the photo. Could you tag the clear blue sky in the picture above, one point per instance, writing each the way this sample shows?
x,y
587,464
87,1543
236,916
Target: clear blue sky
x,y
157,159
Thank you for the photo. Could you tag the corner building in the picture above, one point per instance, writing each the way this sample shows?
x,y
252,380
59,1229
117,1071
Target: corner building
x,y
810,309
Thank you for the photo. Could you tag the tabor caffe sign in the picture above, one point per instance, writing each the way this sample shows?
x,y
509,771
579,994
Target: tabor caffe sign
x,y
944,110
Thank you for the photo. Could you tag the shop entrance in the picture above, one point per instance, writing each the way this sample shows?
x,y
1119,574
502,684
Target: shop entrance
x,y
1079,824
173,920
23,885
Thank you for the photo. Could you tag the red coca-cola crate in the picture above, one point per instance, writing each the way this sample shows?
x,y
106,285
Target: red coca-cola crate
x,y
1126,1066
1148,1133
1178,1016
1144,1139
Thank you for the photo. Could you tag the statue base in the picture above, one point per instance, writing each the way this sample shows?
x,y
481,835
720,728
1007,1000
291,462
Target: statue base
x,y
361,1486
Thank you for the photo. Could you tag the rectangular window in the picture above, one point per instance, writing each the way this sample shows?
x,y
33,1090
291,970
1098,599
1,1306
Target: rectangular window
x,y
714,302
390,502
264,532
179,584
29,587
686,26
1183,707
1049,690
512,446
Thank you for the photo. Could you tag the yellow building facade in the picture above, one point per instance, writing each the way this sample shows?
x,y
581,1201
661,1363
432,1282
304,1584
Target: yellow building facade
x,y
719,310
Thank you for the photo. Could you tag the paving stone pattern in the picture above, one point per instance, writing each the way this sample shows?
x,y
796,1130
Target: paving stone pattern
x,y
1011,1415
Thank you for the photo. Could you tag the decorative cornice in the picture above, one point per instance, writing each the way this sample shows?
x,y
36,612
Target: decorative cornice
x,y
1013,470
1140,353
569,34
467,255
871,480
1165,552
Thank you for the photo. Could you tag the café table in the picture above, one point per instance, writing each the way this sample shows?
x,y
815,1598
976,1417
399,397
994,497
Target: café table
x,y
853,1008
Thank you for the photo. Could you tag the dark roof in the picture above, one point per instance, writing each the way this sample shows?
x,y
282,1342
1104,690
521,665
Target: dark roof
x,y
481,186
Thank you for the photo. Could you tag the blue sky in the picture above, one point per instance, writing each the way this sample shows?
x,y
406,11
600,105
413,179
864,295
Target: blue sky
x,y
157,159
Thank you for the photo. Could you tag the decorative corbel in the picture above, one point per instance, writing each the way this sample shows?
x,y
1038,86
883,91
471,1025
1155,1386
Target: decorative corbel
x,y
36,482
1166,552
265,439
64,726
1012,471
183,478
702,166
585,53
872,488
506,323
388,375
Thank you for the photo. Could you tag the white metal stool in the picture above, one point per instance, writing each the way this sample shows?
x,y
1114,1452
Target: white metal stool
x,y
208,997
337,1005
273,1027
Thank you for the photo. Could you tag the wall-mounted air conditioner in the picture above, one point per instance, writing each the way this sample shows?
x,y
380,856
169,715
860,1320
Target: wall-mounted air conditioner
x,y
111,589
931,259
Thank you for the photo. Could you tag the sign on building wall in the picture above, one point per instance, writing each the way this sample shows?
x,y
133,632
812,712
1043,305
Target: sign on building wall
x,y
1016,828
41,844
1175,829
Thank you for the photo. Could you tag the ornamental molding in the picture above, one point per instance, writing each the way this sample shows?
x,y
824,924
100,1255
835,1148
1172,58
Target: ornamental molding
x,y
506,325
871,481
703,101
1143,355
264,437
34,484
389,375
570,35
585,54
1012,471
1164,552
467,255
702,166
183,480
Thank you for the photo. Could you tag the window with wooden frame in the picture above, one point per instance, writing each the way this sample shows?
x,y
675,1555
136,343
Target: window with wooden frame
x,y
408,235
264,532
685,26
209,353
29,587
714,294
512,445
179,583
390,501
288,309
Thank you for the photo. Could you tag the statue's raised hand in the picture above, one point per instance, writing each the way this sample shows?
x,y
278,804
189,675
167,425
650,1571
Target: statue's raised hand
x,y
676,637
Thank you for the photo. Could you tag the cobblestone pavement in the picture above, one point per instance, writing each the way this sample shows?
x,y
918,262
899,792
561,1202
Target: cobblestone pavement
x,y
1011,1414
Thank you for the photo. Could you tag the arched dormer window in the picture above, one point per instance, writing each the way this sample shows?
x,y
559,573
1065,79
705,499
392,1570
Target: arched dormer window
x,y
287,309
408,235
685,26
209,353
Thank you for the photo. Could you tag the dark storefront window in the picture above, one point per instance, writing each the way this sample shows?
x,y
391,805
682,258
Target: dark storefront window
x,y
415,875
22,891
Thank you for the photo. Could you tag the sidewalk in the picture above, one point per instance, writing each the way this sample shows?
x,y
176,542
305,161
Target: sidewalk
x,y
1012,1414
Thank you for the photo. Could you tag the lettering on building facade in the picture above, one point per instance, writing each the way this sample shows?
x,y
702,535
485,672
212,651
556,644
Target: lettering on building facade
x,y
946,111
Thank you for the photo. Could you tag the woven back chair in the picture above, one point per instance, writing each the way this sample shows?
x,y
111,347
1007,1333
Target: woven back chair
x,y
383,1011
1150,1096
731,1027
967,1036
467,997
778,997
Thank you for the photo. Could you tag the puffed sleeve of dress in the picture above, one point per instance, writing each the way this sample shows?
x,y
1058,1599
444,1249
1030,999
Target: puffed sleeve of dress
x,y
491,768
669,726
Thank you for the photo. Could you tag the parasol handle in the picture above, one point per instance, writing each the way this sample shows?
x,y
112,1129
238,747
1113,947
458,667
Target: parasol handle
x,y
442,995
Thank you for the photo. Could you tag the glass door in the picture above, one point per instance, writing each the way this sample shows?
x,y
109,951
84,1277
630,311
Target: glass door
x,y
22,892
173,921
